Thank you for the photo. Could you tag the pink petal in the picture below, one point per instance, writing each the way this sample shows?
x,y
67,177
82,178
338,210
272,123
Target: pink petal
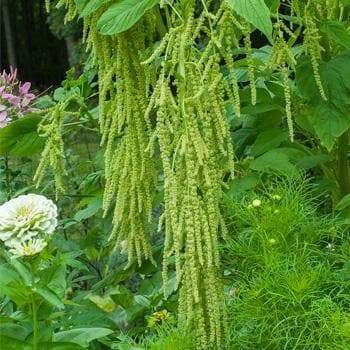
x,y
3,116
30,97
2,108
25,102
14,100
24,89
13,75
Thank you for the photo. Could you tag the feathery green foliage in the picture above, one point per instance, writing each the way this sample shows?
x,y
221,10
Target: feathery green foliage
x,y
287,265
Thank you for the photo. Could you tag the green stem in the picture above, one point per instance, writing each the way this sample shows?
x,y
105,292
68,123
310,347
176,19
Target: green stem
x,y
162,28
343,166
35,324
8,178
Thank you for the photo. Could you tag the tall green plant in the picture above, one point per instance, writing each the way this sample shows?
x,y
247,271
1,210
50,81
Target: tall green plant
x,y
167,76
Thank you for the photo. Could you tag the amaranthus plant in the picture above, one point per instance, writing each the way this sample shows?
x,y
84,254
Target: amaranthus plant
x,y
15,97
167,75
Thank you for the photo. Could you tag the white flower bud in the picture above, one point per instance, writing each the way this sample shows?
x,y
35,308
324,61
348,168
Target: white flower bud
x,y
28,248
276,197
272,241
256,203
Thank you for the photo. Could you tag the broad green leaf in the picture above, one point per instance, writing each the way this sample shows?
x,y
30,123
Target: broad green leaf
x,y
13,330
328,123
12,286
241,185
49,296
22,271
80,4
17,292
267,140
13,344
43,102
105,303
260,108
335,77
255,12
93,207
243,137
82,336
336,32
59,346
122,15
142,300
122,296
91,6
273,5
138,309
311,161
152,287
329,119
57,280
274,161
7,276
20,138
59,94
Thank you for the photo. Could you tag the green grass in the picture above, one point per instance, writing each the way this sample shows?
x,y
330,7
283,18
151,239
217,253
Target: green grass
x,y
166,336
287,269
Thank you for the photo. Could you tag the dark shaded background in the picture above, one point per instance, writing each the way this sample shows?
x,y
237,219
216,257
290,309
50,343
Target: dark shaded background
x,y
43,46
40,53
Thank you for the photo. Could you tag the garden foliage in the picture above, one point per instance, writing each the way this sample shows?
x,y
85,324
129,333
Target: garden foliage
x,y
175,160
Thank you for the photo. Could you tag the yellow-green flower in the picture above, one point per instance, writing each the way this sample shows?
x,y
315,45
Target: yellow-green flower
x,y
158,317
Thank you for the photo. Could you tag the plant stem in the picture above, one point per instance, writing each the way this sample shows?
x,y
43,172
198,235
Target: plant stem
x,y
343,166
8,178
162,28
35,324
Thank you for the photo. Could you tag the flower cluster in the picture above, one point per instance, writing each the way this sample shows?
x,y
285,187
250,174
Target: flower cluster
x,y
26,222
158,317
15,97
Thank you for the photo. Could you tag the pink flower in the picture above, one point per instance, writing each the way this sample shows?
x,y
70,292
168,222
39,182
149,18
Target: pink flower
x,y
9,78
24,89
14,100
26,96
27,99
15,97
3,116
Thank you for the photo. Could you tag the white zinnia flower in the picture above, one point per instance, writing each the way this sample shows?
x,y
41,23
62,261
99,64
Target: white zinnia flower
x,y
25,217
28,248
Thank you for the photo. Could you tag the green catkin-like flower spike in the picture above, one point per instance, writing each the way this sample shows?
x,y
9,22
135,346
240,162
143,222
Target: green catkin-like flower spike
x,y
70,7
159,50
250,62
229,37
194,140
53,153
184,111
129,168
287,97
313,48
47,5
